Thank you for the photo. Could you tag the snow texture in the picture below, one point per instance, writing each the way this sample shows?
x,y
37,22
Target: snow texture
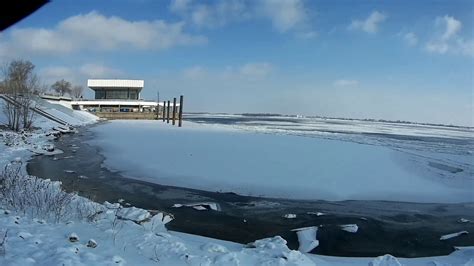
x,y
218,158
385,260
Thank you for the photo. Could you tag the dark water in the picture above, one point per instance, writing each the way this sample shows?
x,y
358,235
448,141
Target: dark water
x,y
401,229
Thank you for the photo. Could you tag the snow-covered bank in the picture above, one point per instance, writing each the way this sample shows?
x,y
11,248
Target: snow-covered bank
x,y
34,242
217,158
67,114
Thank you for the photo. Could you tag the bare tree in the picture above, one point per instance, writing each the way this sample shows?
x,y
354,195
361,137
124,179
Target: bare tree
x,y
62,87
77,91
19,83
42,88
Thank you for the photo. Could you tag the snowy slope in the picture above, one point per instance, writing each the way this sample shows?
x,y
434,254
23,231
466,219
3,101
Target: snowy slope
x,y
73,117
220,158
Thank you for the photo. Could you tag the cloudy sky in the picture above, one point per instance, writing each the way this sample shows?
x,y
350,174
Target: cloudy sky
x,y
407,60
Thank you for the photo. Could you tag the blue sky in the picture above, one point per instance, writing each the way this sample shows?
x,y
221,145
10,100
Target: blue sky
x,y
407,60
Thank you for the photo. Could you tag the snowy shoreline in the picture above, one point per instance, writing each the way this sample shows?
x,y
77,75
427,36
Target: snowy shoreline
x,y
241,254
130,243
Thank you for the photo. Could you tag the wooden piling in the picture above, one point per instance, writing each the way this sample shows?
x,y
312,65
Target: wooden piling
x,y
164,110
174,111
168,113
180,115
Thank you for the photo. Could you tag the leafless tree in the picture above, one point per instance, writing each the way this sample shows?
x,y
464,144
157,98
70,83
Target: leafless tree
x,y
19,83
77,91
62,87
42,88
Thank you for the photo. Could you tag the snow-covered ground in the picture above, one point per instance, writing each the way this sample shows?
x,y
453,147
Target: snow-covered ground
x,y
225,158
36,242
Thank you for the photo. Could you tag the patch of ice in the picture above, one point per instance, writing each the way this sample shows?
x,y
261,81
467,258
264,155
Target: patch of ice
x,y
449,236
351,228
133,214
307,238
200,206
290,216
316,213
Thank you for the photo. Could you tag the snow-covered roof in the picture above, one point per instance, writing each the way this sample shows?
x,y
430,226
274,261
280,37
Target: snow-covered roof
x,y
118,102
115,83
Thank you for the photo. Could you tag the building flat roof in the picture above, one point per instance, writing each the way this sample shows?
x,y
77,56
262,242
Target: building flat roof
x,y
117,102
115,83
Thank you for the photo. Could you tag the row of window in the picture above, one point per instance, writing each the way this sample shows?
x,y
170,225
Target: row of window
x,y
117,94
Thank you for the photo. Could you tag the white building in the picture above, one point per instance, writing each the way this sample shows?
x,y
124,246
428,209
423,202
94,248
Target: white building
x,y
119,96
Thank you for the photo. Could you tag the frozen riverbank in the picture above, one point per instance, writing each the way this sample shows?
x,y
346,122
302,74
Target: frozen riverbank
x,y
402,229
217,158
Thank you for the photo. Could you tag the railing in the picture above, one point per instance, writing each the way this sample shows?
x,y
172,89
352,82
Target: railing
x,y
35,109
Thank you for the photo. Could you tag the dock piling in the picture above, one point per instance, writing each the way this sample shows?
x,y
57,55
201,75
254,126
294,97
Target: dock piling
x,y
164,111
180,115
174,111
168,113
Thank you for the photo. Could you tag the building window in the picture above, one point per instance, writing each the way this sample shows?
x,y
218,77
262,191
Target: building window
x,y
118,94
100,94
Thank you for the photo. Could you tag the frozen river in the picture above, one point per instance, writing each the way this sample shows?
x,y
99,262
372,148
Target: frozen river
x,y
399,228
295,158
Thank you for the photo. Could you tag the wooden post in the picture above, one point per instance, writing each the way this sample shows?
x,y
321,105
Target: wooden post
x,y
164,110
180,116
168,113
174,111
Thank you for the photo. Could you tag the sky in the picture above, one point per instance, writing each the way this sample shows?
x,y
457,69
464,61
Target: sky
x,y
396,60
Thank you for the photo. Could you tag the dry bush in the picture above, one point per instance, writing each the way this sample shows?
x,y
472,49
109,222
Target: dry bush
x,y
33,196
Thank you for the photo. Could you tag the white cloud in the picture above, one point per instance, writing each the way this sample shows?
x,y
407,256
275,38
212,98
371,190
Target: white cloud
x,y
78,75
180,5
256,70
194,72
452,26
210,15
410,38
448,39
248,71
345,83
94,31
284,15
370,24
54,73
99,71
